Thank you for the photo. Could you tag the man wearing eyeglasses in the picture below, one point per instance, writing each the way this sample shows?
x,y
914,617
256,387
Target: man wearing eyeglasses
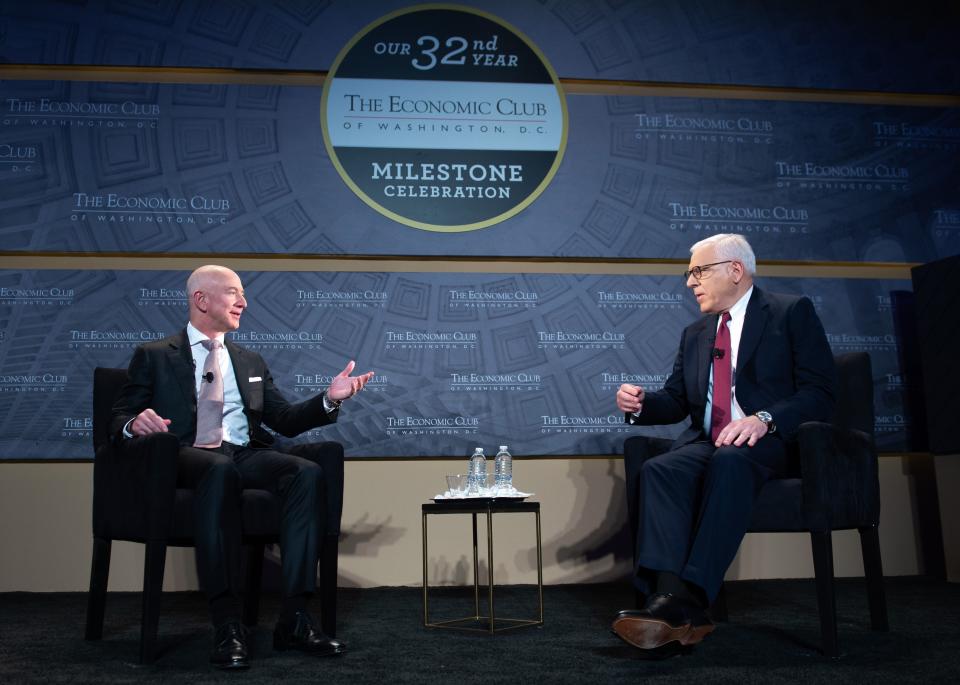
x,y
747,374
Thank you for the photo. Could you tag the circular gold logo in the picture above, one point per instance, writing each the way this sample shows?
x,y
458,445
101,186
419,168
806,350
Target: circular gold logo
x,y
444,118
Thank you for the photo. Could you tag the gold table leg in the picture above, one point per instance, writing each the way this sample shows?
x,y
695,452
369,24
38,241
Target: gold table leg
x,y
491,628
426,609
476,572
539,567
490,568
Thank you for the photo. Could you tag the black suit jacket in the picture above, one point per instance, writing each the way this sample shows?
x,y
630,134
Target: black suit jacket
x,y
784,366
161,377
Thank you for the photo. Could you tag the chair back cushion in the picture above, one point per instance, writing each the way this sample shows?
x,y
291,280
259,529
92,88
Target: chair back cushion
x,y
854,407
838,492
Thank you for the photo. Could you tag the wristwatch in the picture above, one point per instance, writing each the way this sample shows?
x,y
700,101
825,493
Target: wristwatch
x,y
767,421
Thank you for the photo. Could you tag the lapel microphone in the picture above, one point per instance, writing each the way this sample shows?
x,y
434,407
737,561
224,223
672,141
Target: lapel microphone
x,y
718,353
208,376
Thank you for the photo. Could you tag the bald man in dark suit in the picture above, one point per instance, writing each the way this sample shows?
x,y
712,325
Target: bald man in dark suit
x,y
225,448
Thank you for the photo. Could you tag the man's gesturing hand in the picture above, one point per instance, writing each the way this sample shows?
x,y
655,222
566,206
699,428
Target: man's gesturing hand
x,y
630,398
345,386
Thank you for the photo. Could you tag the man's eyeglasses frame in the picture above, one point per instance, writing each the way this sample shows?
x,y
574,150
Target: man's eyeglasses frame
x,y
698,271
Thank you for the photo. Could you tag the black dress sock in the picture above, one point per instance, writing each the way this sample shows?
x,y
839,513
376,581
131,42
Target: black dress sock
x,y
291,605
224,608
671,583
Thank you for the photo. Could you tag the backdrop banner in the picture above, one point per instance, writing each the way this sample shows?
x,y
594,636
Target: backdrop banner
x,y
528,360
476,131
155,168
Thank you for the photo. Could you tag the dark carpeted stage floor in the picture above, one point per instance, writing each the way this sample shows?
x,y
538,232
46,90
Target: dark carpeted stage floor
x,y
771,637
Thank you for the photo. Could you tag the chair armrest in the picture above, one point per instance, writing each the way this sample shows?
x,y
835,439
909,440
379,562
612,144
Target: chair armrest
x,y
134,487
841,488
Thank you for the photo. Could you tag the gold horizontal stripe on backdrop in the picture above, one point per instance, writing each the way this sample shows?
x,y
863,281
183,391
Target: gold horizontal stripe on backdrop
x,y
434,264
572,86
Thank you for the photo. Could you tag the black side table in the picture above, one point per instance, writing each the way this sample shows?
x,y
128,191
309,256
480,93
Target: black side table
x,y
489,507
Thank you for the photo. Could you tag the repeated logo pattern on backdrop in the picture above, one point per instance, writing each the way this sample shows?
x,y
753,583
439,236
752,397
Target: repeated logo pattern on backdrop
x,y
531,360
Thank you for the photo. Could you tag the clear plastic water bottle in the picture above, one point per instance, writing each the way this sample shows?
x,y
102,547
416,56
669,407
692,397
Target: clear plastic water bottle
x,y
477,473
503,470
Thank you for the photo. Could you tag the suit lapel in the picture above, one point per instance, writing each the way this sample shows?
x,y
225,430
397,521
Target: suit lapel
x,y
181,359
705,343
755,320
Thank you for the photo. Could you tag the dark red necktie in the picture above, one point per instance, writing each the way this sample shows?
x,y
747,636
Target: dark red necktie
x,y
722,375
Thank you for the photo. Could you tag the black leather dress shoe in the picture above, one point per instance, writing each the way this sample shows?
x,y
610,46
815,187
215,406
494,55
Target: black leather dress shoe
x,y
301,634
230,646
665,620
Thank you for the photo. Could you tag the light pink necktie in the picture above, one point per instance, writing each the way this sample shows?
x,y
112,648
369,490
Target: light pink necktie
x,y
210,401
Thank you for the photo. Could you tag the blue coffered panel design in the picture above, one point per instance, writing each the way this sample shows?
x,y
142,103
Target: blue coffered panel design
x,y
236,168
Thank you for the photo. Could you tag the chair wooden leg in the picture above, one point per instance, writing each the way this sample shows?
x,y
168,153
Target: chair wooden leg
x,y
328,584
251,598
822,545
153,567
873,570
97,597
718,610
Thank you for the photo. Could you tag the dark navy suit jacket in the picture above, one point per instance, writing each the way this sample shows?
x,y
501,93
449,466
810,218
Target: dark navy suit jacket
x,y
784,366
161,377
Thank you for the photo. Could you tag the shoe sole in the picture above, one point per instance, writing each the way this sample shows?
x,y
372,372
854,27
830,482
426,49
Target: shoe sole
x,y
279,647
653,634
233,666
667,651
697,633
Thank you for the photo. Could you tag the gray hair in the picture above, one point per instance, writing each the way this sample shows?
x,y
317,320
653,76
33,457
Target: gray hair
x,y
731,246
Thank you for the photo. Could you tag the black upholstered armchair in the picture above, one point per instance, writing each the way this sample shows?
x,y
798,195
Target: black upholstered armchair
x,y
135,498
834,487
